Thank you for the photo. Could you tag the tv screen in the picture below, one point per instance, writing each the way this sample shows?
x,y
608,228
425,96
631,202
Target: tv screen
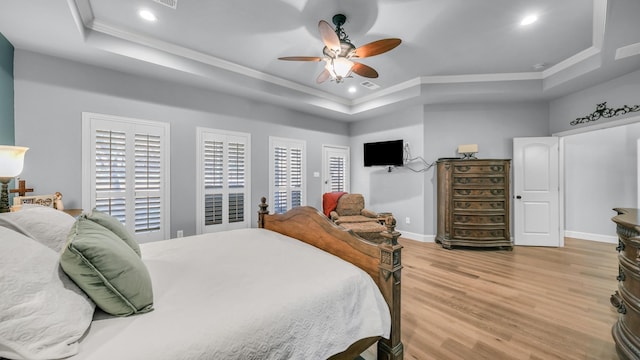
x,y
384,153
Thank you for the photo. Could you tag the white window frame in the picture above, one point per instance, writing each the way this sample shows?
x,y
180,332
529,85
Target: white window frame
x,y
288,144
90,123
203,134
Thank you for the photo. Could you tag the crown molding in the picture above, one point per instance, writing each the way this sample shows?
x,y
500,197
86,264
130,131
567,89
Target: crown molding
x,y
188,60
627,51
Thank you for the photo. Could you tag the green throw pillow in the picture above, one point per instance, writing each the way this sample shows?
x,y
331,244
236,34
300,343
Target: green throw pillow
x,y
114,225
102,265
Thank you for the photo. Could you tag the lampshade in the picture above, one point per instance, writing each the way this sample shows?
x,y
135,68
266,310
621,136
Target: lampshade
x,y
339,68
11,160
468,148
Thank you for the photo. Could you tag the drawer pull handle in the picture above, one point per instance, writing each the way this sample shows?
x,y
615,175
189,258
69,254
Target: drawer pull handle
x,y
463,168
621,276
620,246
616,302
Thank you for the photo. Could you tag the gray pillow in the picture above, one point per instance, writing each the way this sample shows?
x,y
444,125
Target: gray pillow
x,y
46,225
115,226
107,269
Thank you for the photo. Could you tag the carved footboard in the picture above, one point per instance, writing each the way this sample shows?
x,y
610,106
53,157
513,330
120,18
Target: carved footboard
x,y
382,262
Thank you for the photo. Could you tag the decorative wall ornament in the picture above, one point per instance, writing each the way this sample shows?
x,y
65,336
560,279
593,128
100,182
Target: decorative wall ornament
x,y
602,111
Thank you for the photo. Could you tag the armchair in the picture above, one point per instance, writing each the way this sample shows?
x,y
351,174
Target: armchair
x,y
351,214
350,209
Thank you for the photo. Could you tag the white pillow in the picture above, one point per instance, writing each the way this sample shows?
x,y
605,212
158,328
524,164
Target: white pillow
x,y
46,225
42,312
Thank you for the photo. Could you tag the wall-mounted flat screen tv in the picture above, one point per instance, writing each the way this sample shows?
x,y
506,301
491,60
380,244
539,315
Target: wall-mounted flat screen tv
x,y
384,153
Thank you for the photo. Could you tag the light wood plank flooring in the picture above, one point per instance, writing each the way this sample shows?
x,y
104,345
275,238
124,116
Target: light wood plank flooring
x,y
530,303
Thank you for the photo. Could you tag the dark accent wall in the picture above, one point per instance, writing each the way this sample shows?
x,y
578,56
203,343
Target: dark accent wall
x,y
6,92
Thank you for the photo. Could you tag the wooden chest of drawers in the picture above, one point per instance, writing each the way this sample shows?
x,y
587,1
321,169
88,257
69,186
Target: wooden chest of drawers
x,y
473,203
626,331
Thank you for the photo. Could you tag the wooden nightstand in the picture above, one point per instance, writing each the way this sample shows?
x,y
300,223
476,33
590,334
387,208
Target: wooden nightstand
x,y
73,212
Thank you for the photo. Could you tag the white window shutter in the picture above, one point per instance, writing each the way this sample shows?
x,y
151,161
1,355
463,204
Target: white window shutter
x,y
126,172
213,181
337,173
148,182
287,173
280,163
295,173
110,173
237,181
223,182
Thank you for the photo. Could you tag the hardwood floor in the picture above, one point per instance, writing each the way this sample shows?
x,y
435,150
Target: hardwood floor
x,y
529,303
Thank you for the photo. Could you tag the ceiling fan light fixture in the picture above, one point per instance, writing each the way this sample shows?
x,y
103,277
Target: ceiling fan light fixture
x,y
338,52
339,68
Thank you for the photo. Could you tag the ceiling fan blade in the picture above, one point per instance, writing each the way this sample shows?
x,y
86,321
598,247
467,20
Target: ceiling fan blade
x,y
329,36
377,47
364,70
300,58
324,76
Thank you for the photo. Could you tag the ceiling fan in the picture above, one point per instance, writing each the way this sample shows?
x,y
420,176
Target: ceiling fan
x,y
339,52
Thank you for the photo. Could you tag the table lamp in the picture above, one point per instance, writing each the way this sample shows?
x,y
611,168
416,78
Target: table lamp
x,y
11,162
468,151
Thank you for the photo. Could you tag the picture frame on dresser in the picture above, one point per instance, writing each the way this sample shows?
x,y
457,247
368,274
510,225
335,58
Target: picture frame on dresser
x,y
473,202
48,200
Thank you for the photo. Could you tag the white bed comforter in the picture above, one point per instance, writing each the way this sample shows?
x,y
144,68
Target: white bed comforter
x,y
243,294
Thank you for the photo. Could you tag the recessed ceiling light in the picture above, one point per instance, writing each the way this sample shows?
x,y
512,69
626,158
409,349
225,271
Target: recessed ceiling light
x,y
147,15
529,19
352,89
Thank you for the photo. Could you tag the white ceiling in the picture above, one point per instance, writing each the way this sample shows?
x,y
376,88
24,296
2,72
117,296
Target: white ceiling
x,y
451,51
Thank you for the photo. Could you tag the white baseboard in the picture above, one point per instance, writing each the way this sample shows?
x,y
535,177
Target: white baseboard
x,y
572,234
592,237
417,237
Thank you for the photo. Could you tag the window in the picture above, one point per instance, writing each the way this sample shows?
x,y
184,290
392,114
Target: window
x,y
336,173
223,180
126,172
287,171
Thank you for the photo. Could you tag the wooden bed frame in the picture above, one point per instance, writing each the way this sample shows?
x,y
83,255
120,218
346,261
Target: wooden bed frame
x,y
382,262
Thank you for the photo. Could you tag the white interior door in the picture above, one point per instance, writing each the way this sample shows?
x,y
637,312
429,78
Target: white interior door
x,y
335,168
536,191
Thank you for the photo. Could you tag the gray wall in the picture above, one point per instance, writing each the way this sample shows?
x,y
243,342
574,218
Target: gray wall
x,y
52,93
600,164
435,131
600,174
400,191
618,92
491,126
